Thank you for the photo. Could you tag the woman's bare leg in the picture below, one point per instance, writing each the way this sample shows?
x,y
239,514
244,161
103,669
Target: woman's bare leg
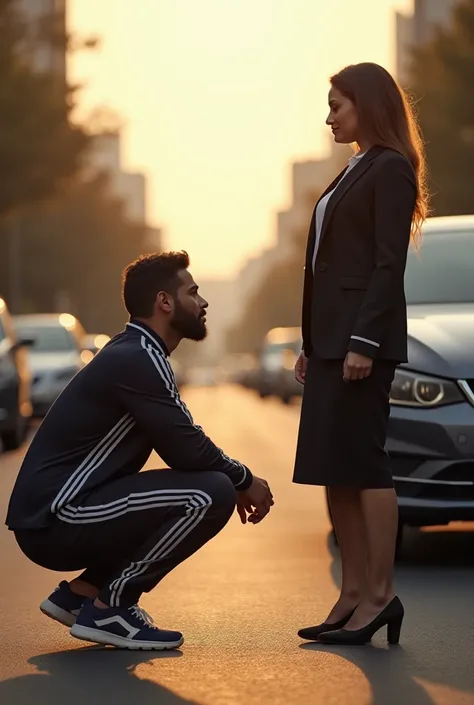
x,y
380,511
346,509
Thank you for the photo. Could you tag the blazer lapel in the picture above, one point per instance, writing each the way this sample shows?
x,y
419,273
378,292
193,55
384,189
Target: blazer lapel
x,y
356,172
310,241
332,185
312,227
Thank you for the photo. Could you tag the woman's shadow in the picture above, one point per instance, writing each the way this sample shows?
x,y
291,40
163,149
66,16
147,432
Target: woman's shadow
x,y
388,672
395,673
91,676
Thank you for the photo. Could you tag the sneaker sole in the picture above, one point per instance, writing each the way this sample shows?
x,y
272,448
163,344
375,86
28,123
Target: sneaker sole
x,y
97,636
57,613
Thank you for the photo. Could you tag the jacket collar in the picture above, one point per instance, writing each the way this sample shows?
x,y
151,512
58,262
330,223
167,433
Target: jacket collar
x,y
135,326
368,157
356,172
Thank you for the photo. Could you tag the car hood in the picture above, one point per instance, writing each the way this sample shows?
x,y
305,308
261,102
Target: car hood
x,y
441,339
45,361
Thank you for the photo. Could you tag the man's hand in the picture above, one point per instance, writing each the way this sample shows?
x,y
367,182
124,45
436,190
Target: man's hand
x,y
356,366
300,368
256,502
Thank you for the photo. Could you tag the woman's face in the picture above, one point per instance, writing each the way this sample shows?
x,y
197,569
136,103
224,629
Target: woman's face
x,y
342,117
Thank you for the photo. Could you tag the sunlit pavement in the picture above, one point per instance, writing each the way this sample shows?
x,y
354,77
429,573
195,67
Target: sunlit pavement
x,y
241,600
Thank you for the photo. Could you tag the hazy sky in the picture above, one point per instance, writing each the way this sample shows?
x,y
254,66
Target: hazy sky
x,y
218,98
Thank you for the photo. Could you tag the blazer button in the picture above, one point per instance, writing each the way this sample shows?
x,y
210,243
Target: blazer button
x,y
323,266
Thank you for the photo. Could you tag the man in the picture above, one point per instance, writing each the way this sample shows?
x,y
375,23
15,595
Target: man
x,y
80,502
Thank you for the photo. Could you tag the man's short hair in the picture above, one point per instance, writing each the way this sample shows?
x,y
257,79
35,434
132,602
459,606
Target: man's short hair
x,y
148,275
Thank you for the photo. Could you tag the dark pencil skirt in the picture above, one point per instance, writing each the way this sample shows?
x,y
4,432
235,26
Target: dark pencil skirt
x,y
343,427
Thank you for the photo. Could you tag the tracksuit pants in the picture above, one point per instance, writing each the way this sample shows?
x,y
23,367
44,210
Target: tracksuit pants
x,y
128,534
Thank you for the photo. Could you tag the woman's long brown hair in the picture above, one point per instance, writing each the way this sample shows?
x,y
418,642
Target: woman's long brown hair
x,y
387,118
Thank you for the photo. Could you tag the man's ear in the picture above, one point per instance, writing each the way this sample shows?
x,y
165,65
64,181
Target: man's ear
x,y
164,302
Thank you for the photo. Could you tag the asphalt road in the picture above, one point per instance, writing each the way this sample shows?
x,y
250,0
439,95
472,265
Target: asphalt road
x,y
241,600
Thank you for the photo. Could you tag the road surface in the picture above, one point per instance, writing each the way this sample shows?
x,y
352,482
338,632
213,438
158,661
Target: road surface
x,y
241,600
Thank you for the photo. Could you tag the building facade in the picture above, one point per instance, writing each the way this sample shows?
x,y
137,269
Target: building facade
x,y
415,29
46,20
429,14
105,156
307,181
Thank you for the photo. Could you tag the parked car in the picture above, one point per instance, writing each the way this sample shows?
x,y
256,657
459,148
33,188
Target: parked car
x,y
279,353
54,356
15,383
431,429
245,371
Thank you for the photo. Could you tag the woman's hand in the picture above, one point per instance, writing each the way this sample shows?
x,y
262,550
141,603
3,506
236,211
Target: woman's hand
x,y
356,366
300,368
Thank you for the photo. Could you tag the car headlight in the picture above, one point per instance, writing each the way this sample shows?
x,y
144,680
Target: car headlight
x,y
413,389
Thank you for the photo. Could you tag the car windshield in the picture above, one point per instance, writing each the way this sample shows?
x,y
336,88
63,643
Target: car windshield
x,y
443,269
47,338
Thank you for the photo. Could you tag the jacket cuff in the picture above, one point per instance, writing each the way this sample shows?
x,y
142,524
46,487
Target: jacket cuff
x,y
364,346
245,484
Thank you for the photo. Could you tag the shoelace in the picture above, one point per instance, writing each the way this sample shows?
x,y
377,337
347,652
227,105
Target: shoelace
x,y
142,615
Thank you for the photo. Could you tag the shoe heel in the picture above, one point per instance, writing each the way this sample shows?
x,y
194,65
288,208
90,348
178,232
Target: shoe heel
x,y
394,627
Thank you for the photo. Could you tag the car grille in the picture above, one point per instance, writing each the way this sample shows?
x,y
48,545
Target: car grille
x,y
467,385
453,473
458,472
450,493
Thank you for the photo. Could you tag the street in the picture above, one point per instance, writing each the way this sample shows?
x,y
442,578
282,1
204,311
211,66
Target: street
x,y
241,600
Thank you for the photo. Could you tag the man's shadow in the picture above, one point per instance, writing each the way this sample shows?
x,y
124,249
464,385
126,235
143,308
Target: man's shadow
x,y
430,566
91,675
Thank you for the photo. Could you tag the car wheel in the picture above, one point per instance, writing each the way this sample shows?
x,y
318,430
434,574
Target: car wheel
x,y
13,439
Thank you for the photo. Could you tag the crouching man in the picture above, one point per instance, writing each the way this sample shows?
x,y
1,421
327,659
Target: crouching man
x,y
80,501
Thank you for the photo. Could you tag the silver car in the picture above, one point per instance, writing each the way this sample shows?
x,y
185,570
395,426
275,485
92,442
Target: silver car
x,y
280,350
431,430
55,355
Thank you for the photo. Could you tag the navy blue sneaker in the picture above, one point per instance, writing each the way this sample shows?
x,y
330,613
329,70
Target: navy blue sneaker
x,y
63,604
123,627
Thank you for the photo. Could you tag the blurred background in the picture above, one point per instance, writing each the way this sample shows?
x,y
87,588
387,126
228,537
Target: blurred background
x,y
135,127
199,126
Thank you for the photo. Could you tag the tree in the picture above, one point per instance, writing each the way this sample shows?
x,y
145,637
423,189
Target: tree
x,y
74,249
442,76
39,146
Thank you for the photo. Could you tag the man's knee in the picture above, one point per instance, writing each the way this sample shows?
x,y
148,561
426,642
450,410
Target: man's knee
x,y
221,492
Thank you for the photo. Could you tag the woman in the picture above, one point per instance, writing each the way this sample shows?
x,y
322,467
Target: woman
x,y
354,335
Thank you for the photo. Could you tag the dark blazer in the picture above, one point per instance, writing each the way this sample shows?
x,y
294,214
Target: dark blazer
x,y
355,298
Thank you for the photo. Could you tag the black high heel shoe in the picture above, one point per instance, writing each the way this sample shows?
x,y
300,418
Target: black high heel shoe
x,y
391,616
312,633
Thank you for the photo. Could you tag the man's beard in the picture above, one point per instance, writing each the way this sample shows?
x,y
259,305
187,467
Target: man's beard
x,y
187,324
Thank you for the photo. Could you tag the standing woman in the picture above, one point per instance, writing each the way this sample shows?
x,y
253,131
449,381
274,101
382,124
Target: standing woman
x,y
354,335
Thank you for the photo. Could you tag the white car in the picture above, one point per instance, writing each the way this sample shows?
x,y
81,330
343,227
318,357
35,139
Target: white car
x,y
55,356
